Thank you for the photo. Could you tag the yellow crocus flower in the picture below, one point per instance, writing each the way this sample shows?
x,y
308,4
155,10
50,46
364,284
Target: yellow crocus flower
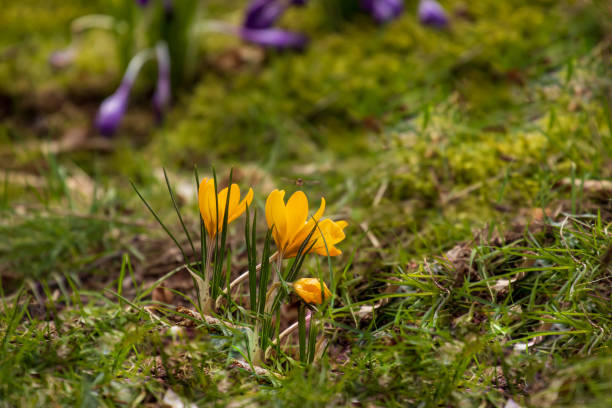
x,y
309,289
291,225
208,207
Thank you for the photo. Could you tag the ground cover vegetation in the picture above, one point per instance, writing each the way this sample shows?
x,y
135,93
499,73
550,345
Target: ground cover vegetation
x,y
472,166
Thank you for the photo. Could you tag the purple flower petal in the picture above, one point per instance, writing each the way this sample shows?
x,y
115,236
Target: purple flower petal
x,y
112,110
142,3
274,38
383,10
263,13
162,95
432,14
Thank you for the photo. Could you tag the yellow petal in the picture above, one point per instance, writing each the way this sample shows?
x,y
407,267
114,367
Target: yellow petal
x,y
241,207
329,234
206,195
297,213
276,217
222,198
234,200
271,197
317,216
303,232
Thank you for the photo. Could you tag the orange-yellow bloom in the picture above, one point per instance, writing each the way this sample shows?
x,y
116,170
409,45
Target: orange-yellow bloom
x,y
213,221
291,225
309,289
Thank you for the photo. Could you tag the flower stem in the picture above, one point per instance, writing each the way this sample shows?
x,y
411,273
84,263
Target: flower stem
x,y
245,274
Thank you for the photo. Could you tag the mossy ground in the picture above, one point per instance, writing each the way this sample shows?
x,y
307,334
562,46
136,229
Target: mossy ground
x,y
472,164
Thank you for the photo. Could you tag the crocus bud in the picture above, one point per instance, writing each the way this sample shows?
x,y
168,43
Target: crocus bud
x,y
432,14
162,95
142,3
383,10
274,38
309,289
61,59
113,108
263,13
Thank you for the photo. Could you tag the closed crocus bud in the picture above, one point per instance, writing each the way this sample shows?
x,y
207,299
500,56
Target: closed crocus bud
x,y
162,95
383,10
274,38
263,13
432,14
310,289
113,108
142,3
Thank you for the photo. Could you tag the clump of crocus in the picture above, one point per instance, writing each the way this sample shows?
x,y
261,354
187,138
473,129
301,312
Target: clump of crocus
x,y
383,10
161,97
310,290
260,17
291,226
431,13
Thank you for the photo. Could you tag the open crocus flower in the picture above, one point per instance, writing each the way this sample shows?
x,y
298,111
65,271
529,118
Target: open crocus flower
x,y
291,226
432,14
383,10
213,220
309,289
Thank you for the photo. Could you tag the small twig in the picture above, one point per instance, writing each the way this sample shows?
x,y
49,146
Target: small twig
x,y
254,369
380,193
245,274
209,320
150,311
373,240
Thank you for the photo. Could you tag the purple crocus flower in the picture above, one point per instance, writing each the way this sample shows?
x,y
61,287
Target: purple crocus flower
x,y
383,10
113,108
431,13
162,95
274,38
142,3
263,13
